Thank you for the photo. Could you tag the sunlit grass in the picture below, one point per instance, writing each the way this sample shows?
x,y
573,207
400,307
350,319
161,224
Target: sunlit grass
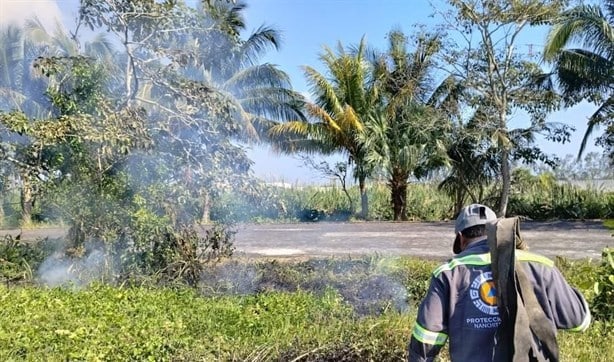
x,y
308,310
609,223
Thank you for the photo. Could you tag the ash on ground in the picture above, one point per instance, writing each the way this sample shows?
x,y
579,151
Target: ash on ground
x,y
369,289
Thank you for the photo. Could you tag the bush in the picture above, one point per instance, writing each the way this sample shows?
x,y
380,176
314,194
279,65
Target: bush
x,y
19,260
603,302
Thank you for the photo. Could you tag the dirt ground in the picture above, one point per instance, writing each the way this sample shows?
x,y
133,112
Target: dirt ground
x,y
570,239
574,240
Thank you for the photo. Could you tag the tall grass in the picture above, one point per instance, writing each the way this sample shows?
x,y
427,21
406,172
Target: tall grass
x,y
562,201
536,199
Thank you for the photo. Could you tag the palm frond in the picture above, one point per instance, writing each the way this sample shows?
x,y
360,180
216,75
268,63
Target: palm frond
x,y
351,120
323,90
321,114
602,115
297,128
261,75
580,70
584,24
273,103
100,46
263,39
36,31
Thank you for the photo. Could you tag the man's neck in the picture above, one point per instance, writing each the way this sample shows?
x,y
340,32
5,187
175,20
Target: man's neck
x,y
474,241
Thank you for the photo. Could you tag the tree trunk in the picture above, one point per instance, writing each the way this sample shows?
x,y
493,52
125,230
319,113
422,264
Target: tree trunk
x,y
2,210
364,199
399,201
398,195
206,200
350,201
26,200
459,202
507,182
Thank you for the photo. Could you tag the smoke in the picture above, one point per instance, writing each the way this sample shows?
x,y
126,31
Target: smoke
x,y
60,270
368,286
233,278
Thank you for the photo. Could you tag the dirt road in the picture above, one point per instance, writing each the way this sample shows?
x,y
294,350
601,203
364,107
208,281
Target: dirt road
x,y
571,239
433,240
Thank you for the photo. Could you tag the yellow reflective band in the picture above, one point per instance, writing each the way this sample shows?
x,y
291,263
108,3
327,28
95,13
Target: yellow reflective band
x,y
425,336
524,255
484,259
585,323
477,259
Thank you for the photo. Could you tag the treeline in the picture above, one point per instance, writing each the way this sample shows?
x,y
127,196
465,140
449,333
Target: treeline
x,y
136,134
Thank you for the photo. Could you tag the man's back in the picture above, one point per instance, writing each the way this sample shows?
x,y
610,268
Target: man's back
x,y
461,305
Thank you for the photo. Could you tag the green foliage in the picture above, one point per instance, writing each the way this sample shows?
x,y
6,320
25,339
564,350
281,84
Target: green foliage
x,y
542,198
19,260
596,282
303,310
603,303
577,50
538,198
172,255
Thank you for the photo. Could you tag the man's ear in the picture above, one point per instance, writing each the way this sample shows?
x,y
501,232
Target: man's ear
x,y
462,240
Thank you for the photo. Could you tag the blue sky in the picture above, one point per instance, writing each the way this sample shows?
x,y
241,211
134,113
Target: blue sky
x,y
307,26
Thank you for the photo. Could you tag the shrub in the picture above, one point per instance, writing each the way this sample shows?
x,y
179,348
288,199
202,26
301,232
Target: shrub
x,y
603,302
19,259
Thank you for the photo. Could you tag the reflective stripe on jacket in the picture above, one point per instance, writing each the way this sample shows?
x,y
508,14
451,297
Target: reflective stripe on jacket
x,y
461,305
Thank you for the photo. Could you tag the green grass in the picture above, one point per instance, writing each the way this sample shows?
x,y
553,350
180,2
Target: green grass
x,y
309,310
108,323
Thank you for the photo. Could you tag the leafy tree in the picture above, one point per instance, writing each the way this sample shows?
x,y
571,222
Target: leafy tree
x,y
125,155
25,91
84,148
214,91
407,136
580,48
497,79
345,97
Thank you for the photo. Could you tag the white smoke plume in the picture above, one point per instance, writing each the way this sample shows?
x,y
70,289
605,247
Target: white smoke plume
x,y
59,270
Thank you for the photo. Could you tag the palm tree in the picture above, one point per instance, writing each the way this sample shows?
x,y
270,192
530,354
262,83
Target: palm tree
x,y
261,93
474,164
585,71
23,89
20,88
345,98
407,137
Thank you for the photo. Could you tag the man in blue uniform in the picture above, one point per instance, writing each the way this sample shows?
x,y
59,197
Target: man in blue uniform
x,y
461,303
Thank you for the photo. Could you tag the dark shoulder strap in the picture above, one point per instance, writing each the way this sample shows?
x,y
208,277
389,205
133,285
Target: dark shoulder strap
x,y
523,321
538,322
